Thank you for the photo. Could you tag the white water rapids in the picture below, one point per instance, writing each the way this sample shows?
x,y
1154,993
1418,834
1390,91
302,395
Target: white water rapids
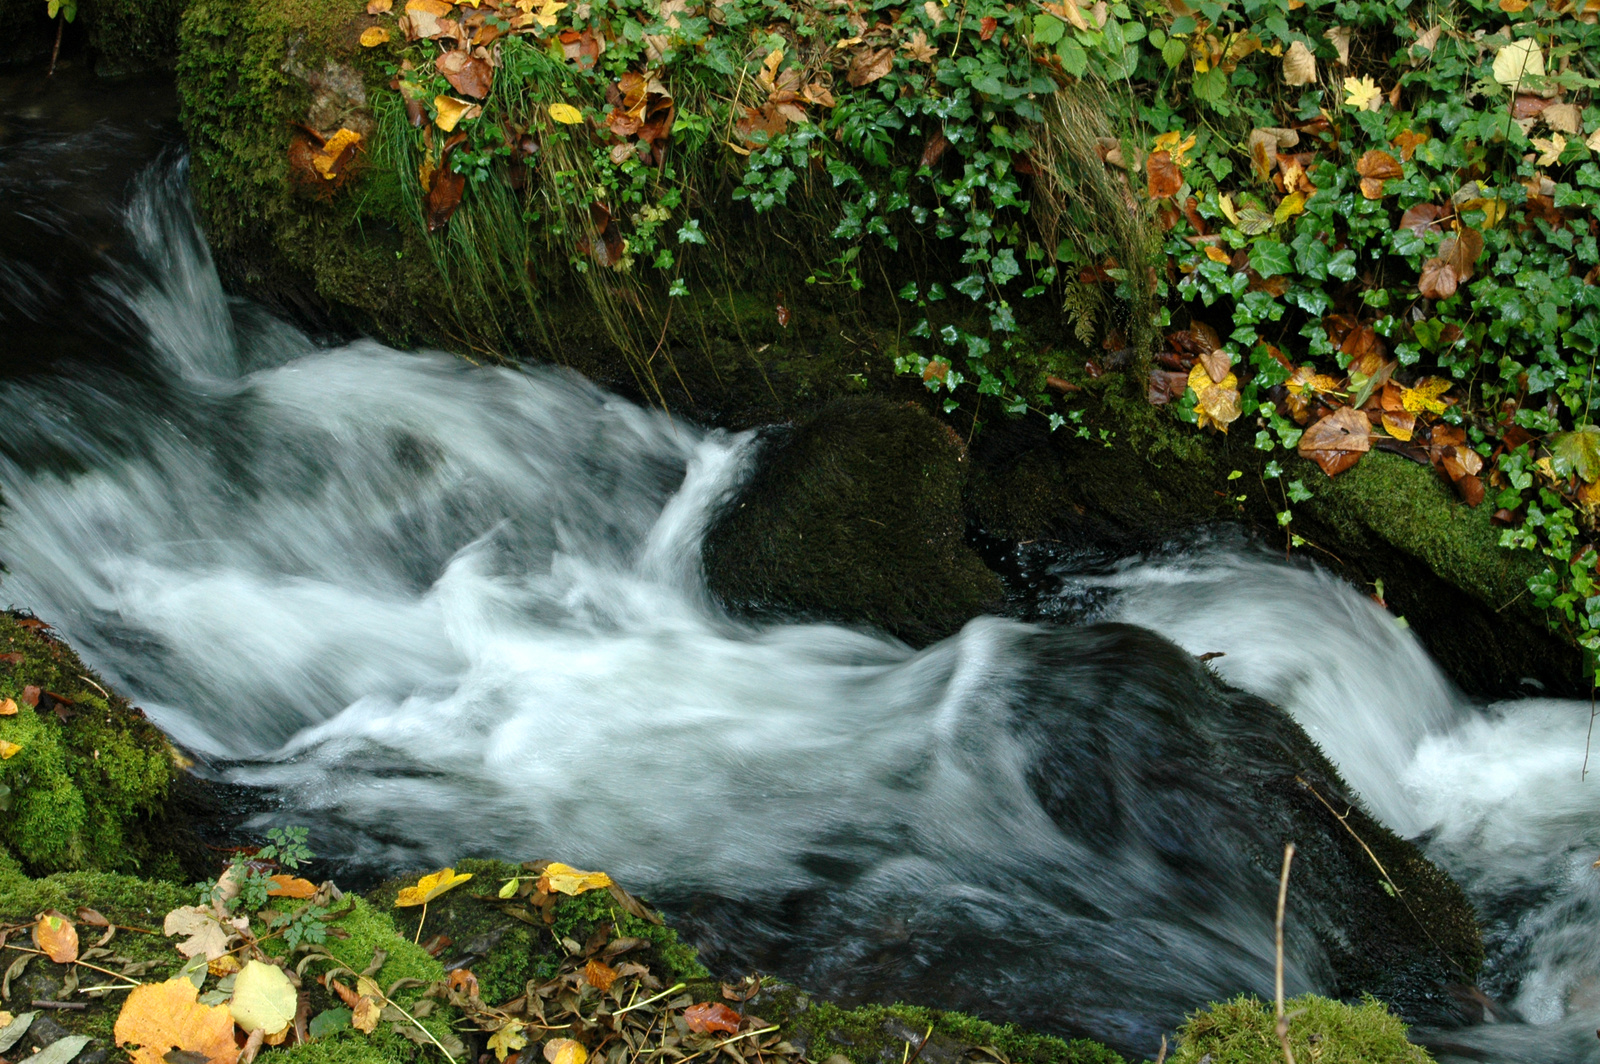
x,y
450,611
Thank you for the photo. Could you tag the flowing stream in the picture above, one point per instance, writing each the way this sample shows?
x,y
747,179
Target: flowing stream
x,y
445,611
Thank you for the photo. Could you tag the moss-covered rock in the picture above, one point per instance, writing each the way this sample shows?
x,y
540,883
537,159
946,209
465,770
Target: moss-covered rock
x,y
89,780
1244,1031
855,515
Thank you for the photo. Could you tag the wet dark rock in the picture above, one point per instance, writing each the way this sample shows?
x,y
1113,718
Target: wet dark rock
x,y
854,515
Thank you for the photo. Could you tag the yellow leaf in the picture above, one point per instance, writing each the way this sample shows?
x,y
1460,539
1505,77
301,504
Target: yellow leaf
x,y
263,999
507,1039
373,36
1517,61
564,1051
430,887
8,708
1362,93
364,1017
1293,204
1399,424
1299,65
564,879
1218,403
546,15
1425,396
326,160
8,750
1225,201
449,111
566,114
1216,254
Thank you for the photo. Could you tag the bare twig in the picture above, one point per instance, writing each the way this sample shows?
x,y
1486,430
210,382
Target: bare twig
x,y
75,1006
1283,896
725,1041
86,964
668,992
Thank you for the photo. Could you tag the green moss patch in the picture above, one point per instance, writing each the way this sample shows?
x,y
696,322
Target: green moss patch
x,y
1244,1031
89,771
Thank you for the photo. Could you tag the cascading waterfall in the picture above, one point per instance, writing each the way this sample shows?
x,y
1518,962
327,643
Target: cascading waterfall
x,y
448,611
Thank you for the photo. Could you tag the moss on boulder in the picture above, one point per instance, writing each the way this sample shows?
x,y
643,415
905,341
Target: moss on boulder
x,y
855,515
89,782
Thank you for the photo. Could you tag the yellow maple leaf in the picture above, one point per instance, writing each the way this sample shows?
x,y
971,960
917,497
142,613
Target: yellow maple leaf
x,y
430,887
8,750
1425,396
1550,150
546,15
564,879
507,1040
566,114
373,36
1362,93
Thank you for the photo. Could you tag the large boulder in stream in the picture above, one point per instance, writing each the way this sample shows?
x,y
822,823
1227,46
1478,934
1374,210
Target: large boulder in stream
x,y
854,515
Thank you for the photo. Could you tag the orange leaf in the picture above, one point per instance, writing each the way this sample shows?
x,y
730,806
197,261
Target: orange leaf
x,y
55,935
712,1016
599,975
161,1017
1408,142
1164,178
286,886
8,708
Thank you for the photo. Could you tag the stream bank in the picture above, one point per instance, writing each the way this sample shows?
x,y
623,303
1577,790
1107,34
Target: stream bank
x,y
765,336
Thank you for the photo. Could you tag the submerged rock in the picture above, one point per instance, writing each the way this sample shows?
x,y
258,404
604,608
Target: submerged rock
x,y
855,516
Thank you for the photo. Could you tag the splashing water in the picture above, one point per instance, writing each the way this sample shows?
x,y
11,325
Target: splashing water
x,y
447,610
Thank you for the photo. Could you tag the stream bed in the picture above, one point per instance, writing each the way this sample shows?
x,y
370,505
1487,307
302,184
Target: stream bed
x,y
443,611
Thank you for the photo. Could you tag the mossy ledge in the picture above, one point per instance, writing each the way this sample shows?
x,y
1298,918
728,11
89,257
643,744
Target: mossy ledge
x,y
91,784
357,258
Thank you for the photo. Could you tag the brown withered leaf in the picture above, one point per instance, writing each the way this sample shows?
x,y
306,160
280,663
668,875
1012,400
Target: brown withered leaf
x,y
1461,250
466,73
869,65
1217,362
1438,280
445,188
1376,167
1166,385
425,16
934,149
1164,178
1365,350
1423,218
1338,441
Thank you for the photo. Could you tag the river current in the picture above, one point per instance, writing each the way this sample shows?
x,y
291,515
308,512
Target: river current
x,y
444,611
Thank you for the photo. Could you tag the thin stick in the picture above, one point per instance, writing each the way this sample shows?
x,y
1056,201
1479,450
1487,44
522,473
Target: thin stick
x,y
665,993
1283,896
86,964
75,1006
725,1041
61,24
1584,774
420,922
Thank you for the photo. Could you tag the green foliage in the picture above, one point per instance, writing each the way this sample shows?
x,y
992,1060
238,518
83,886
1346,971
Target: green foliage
x,y
1244,1031
870,1033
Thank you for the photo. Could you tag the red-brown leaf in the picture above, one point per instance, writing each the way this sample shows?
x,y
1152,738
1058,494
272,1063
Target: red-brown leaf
x,y
869,66
1164,178
466,73
1337,441
1461,250
1438,280
989,25
933,150
712,1016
